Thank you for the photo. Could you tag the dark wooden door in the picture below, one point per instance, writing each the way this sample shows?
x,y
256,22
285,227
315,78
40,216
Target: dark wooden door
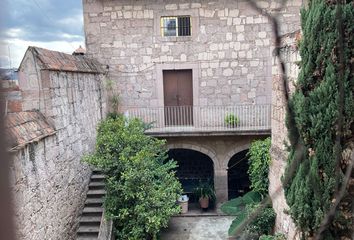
x,y
178,97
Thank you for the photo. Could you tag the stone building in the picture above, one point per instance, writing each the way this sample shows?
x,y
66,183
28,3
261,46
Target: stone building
x,y
191,68
61,105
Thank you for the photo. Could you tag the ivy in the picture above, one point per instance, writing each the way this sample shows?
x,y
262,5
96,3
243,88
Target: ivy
x,y
259,160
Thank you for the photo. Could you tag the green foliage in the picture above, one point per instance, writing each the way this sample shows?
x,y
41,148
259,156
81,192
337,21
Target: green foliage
x,y
259,160
264,222
141,188
204,190
243,207
315,105
237,205
231,120
272,237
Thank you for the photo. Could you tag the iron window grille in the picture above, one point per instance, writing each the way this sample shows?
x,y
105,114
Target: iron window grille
x,y
176,26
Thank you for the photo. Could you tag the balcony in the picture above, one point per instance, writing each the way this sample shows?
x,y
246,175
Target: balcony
x,y
204,120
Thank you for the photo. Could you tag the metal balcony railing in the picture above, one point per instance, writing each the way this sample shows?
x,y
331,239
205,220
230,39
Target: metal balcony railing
x,y
211,119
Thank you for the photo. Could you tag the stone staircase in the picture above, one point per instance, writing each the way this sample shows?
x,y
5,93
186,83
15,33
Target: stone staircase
x,y
90,220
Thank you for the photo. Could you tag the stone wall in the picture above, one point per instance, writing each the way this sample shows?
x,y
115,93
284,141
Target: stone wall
x,y
12,95
50,181
290,56
229,50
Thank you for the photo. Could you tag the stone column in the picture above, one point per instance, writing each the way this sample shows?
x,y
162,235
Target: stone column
x,y
220,184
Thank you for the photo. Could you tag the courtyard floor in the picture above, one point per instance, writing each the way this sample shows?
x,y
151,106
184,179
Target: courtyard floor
x,y
198,225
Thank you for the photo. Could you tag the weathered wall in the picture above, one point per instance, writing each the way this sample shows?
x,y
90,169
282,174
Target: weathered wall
x,y
290,56
229,50
12,94
50,181
220,149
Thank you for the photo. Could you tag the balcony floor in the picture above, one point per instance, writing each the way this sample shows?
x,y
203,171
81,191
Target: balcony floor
x,y
207,131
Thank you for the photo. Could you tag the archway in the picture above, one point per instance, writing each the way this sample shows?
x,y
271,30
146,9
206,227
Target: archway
x,y
237,176
193,167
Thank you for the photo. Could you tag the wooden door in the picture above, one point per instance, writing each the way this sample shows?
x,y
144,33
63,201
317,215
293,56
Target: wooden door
x,y
178,97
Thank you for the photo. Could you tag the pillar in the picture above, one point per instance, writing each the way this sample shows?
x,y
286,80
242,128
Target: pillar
x,y
220,185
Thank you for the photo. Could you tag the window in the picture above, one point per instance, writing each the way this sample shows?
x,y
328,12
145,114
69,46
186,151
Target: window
x,y
176,26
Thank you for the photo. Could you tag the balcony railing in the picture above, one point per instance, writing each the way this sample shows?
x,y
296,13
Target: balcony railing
x,y
204,119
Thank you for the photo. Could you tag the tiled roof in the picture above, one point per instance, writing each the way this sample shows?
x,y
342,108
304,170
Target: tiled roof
x,y
58,61
26,127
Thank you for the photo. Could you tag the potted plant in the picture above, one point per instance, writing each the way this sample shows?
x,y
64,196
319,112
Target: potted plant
x,y
205,193
231,120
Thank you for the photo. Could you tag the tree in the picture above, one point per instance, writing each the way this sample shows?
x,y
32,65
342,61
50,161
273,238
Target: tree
x,y
324,112
141,185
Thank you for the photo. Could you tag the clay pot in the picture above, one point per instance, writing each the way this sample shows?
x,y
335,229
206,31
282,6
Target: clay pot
x,y
204,202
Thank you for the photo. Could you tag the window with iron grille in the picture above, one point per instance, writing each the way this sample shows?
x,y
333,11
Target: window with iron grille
x,y
176,26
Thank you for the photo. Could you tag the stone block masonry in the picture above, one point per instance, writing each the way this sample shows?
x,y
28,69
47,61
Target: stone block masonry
x,y
290,55
49,179
230,47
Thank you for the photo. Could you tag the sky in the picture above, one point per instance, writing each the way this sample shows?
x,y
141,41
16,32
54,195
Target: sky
x,y
52,24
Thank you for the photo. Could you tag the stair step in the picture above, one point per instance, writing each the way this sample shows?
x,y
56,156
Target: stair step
x,y
89,229
97,177
92,209
96,185
96,193
94,202
96,171
85,220
86,238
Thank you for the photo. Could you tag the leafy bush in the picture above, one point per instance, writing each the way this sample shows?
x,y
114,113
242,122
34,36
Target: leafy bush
x,y
141,188
231,120
273,237
264,222
243,207
259,160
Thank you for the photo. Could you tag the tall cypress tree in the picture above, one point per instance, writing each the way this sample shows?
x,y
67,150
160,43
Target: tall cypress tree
x,y
319,108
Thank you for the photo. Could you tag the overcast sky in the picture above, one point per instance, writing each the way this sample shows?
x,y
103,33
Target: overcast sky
x,y
55,25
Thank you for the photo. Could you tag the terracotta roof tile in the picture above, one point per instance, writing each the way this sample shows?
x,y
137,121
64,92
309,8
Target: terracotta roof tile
x,y
53,60
26,127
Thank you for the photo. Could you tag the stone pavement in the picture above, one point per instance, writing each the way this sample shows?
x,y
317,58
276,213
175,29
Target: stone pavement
x,y
197,228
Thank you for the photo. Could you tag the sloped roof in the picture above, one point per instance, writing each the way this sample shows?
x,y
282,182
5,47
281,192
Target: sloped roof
x,y
58,61
23,128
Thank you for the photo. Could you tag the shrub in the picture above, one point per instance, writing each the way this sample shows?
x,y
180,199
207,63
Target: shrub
x,y
259,160
231,120
273,237
243,207
141,188
264,222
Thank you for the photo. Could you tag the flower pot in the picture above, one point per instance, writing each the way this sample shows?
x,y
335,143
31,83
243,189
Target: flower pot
x,y
204,202
183,203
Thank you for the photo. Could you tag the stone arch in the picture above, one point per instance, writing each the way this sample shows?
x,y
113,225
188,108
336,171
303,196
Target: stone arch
x,y
238,181
205,150
233,152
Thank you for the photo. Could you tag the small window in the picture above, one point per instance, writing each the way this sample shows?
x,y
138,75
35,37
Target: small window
x,y
176,26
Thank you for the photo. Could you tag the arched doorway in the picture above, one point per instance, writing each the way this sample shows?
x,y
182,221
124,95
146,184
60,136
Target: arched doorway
x,y
193,167
237,176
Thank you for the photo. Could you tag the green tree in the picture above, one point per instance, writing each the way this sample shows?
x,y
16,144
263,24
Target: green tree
x,y
316,105
141,185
